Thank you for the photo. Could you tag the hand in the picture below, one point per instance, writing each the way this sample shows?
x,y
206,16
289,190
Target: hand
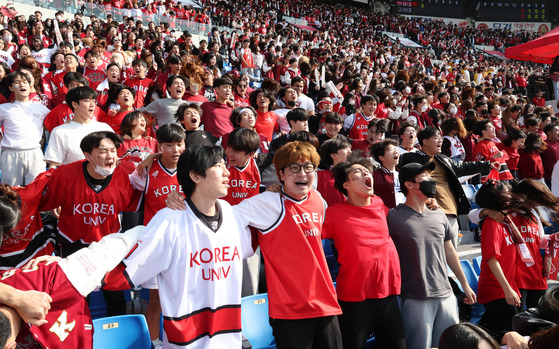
x,y
432,204
274,188
496,165
512,297
494,214
470,296
514,340
112,112
175,201
498,155
56,212
32,264
32,306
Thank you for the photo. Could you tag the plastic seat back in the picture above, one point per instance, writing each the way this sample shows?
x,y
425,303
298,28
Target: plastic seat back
x,y
470,273
256,322
123,332
477,265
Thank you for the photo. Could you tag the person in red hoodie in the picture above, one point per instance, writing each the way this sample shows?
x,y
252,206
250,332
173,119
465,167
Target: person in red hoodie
x,y
530,163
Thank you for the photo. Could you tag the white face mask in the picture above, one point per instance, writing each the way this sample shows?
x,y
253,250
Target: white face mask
x,y
102,171
194,88
407,90
423,108
8,37
453,110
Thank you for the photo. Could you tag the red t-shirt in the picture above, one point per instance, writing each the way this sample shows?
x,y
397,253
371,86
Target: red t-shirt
x,y
483,151
266,123
529,277
134,151
198,99
215,118
496,242
530,165
62,113
369,262
95,76
325,186
243,183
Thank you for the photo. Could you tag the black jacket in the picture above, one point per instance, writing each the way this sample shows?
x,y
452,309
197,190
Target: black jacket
x,y
454,170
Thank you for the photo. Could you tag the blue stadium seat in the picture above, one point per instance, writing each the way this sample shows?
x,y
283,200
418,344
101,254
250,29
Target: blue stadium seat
x,y
97,305
256,322
330,258
470,191
477,265
470,273
123,332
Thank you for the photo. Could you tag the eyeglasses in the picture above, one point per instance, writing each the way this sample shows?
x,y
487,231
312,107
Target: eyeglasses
x,y
242,86
296,168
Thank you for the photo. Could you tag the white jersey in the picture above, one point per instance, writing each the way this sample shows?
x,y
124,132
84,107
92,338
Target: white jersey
x,y
199,272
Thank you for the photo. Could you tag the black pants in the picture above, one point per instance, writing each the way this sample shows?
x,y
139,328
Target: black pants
x,y
381,317
530,298
498,316
313,333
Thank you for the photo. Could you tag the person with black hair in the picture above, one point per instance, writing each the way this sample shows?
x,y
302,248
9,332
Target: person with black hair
x,y
368,281
62,113
189,116
137,145
424,240
356,125
466,335
267,121
333,124
71,64
191,281
486,150
530,162
288,96
215,115
376,129
332,152
64,141
22,123
514,141
386,182
139,82
164,109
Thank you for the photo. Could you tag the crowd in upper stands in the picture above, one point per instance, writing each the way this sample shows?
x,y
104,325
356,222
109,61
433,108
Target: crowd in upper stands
x,y
77,100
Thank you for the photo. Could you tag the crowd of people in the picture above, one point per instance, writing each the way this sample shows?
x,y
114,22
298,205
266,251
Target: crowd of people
x,y
254,145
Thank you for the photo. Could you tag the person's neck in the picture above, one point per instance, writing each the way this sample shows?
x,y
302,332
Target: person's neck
x,y
220,100
415,202
23,99
407,145
366,114
136,135
169,165
204,204
428,153
359,200
262,110
125,108
81,119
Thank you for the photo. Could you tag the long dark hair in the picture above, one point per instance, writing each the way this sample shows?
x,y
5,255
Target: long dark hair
x,y
10,211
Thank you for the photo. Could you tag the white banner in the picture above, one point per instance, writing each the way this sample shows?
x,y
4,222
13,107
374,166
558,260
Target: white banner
x,y
542,27
458,21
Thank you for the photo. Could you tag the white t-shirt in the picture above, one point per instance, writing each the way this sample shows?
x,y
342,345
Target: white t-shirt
x,y
23,124
64,142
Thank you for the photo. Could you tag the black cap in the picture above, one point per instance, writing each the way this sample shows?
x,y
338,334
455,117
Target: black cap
x,y
409,171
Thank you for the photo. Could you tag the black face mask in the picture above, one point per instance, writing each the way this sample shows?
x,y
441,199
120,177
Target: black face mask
x,y
428,188
291,103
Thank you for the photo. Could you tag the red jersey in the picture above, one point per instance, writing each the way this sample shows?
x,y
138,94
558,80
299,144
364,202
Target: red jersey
x,y
496,242
88,215
240,101
530,165
69,320
114,121
243,182
141,87
134,151
159,184
530,278
95,76
484,151
369,262
29,239
358,130
198,99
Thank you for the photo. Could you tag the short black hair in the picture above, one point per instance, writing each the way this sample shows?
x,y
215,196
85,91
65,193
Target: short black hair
x,y
80,93
426,133
341,170
126,124
224,80
197,159
333,118
170,133
17,74
379,149
244,139
480,126
381,124
330,147
252,98
235,117
74,76
368,98
93,140
175,77
179,115
297,114
140,62
403,127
